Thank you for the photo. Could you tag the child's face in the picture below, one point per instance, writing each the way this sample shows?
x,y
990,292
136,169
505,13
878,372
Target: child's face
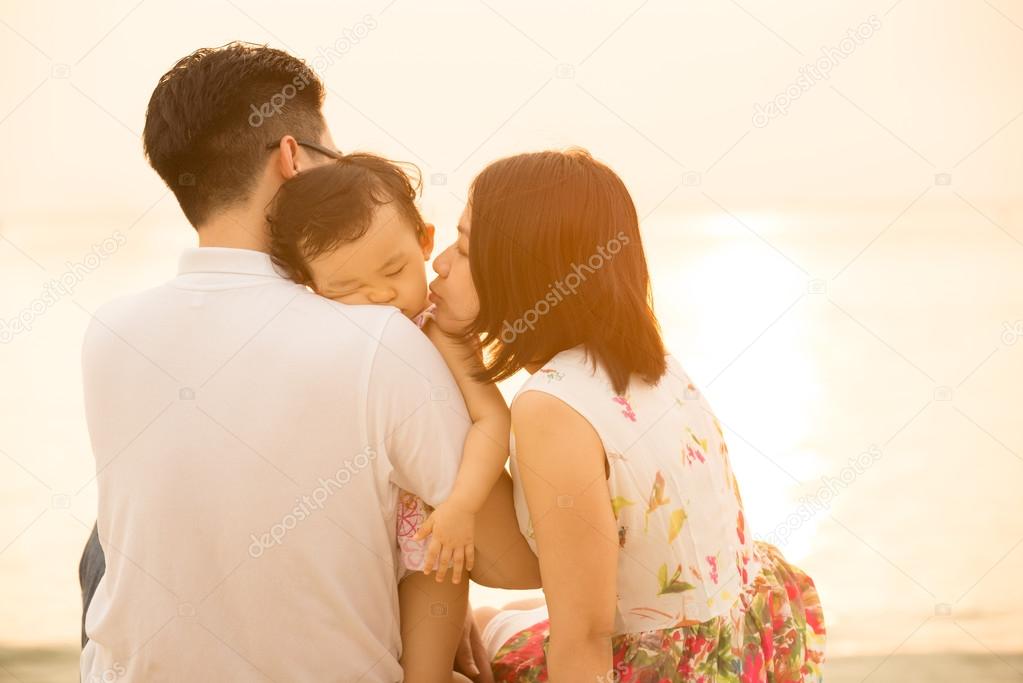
x,y
387,265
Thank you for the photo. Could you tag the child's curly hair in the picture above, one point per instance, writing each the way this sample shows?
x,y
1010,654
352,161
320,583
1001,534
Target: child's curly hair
x,y
329,205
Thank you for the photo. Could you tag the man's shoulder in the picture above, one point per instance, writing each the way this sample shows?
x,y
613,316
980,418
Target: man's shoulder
x,y
124,308
287,296
304,314
309,313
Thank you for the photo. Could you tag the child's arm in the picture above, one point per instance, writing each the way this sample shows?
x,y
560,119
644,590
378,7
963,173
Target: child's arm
x,y
486,445
483,458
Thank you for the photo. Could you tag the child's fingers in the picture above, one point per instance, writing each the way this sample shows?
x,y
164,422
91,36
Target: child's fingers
x,y
445,562
432,551
470,557
458,563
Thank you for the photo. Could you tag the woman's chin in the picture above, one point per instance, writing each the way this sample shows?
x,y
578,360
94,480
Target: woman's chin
x,y
447,323
444,323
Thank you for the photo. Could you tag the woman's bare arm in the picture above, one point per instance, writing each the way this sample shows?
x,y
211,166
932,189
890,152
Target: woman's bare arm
x,y
561,464
503,557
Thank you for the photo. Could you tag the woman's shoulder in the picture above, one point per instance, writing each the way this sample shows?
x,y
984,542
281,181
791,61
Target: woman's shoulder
x,y
579,379
577,367
567,370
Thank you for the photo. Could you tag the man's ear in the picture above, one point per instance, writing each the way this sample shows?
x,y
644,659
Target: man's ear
x,y
426,240
287,161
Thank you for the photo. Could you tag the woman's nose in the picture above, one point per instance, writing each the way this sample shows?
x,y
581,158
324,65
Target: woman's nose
x,y
440,264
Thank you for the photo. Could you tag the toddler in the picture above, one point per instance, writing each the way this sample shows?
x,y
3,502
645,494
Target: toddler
x,y
351,232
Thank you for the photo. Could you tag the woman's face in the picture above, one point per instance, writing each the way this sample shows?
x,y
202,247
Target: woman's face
x,y
452,290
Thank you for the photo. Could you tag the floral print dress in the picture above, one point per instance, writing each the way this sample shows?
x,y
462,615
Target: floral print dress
x,y
698,599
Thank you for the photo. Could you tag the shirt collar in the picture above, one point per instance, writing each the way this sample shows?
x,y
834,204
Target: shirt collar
x,y
227,260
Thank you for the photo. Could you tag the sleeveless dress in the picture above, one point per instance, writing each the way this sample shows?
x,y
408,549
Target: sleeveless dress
x,y
698,599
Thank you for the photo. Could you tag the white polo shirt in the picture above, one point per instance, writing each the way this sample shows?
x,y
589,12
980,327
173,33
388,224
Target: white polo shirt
x,y
250,438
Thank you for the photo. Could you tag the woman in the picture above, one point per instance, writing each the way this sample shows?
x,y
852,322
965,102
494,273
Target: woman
x,y
621,474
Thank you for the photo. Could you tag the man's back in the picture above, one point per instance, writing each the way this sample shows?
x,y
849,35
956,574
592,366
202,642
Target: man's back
x,y
248,437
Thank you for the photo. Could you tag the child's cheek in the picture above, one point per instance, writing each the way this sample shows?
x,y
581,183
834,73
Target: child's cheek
x,y
414,289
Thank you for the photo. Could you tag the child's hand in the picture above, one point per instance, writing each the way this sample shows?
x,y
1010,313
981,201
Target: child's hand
x,y
452,542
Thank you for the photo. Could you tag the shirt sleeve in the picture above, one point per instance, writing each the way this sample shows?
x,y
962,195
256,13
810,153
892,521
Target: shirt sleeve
x,y
415,412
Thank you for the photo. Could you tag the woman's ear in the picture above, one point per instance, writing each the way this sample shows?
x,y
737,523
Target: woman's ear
x,y
426,240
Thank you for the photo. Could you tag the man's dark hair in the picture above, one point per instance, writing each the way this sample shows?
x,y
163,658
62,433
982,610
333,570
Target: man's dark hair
x,y
211,117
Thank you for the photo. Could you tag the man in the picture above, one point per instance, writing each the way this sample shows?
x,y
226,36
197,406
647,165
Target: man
x,y
249,435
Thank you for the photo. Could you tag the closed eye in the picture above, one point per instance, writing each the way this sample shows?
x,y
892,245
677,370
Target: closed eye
x,y
396,273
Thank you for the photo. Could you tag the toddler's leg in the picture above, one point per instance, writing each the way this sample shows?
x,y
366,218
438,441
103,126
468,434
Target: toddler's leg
x,y
432,613
432,620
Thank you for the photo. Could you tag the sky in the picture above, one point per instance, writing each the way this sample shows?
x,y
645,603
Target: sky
x,y
668,93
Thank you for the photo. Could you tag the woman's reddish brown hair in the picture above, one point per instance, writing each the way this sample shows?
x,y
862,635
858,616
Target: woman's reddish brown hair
x,y
557,260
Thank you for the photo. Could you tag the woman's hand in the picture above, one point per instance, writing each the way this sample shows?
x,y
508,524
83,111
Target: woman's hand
x,y
471,659
451,527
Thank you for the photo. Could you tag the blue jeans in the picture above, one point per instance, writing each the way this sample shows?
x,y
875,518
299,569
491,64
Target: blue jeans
x,y
90,570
